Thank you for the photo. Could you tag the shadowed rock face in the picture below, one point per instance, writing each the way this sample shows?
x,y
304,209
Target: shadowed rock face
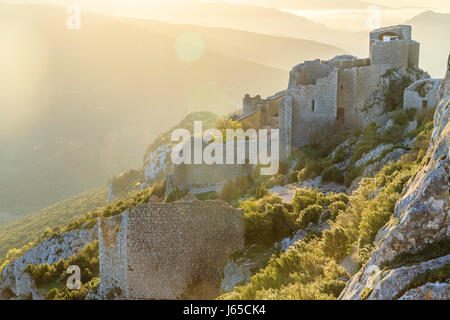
x,y
421,219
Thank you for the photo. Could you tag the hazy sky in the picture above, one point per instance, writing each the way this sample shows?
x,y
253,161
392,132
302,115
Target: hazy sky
x,y
443,5
437,4
354,17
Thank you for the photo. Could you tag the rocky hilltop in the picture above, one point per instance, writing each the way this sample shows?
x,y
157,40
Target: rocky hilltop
x,y
416,240
362,214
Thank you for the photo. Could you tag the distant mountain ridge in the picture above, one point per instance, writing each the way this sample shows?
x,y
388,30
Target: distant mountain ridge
x,y
91,99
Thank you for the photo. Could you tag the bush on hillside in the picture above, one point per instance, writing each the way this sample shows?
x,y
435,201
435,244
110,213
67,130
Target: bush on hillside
x,y
335,243
333,174
261,192
309,214
233,190
400,117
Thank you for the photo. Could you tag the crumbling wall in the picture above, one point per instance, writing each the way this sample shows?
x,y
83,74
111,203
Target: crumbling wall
x,y
170,246
422,94
186,176
314,107
308,73
112,237
285,127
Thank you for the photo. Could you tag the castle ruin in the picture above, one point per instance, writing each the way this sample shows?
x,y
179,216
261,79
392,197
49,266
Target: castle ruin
x,y
323,94
422,94
158,250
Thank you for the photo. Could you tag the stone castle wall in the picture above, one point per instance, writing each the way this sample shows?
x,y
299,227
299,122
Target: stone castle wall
x,y
422,94
314,107
394,53
365,81
161,249
186,176
112,237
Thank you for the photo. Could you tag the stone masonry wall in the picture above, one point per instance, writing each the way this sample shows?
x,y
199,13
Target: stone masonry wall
x,y
422,94
322,97
112,253
169,247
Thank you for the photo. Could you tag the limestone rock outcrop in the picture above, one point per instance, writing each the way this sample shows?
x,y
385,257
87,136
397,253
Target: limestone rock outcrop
x,y
376,103
62,246
421,220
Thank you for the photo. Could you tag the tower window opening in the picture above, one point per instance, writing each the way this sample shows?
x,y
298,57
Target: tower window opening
x,y
313,105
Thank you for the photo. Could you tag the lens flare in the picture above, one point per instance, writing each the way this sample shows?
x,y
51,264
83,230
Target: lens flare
x,y
189,46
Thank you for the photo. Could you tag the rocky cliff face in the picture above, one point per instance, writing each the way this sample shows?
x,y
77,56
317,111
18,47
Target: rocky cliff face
x,y
62,246
417,238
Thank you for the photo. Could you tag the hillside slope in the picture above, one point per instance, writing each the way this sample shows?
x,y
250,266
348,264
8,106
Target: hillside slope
x,y
20,232
412,253
89,100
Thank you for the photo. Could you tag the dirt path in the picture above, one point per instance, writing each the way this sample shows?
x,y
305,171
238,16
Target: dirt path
x,y
287,192
350,262
284,192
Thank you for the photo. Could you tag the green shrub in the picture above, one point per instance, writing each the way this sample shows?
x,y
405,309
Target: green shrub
x,y
87,260
334,197
310,214
233,190
267,220
368,140
332,173
425,115
337,207
303,272
333,287
261,192
312,170
159,189
353,172
393,134
303,198
411,113
339,156
335,243
51,294
293,176
283,222
400,117
257,227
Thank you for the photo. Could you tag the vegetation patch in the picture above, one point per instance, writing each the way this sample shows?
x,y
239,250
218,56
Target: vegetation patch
x,y
441,275
436,250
